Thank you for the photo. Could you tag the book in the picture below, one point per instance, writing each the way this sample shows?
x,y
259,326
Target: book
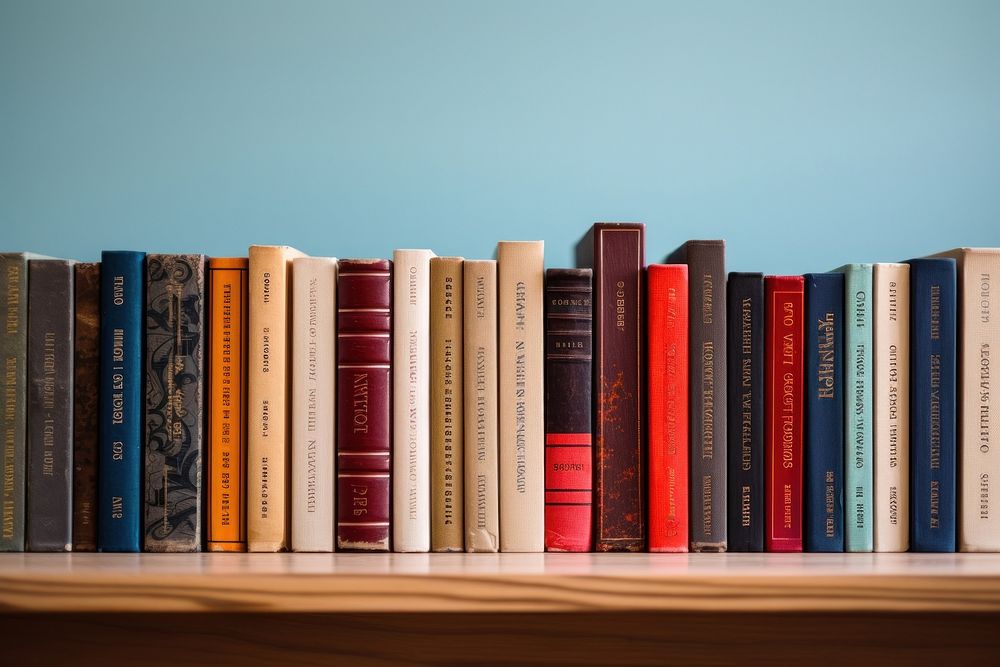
x,y
784,334
225,504
890,395
364,404
314,403
520,298
824,408
268,425
616,252
49,492
482,484
745,404
569,313
667,373
119,468
86,380
446,405
933,373
707,369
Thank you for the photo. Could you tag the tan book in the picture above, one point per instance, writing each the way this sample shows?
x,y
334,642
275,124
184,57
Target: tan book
x,y
482,493
447,437
520,280
268,393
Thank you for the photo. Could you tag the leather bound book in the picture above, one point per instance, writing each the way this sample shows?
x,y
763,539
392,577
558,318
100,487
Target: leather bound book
x,y
86,371
569,314
364,403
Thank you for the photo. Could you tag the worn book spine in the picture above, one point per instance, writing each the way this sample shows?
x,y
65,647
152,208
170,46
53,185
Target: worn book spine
x,y
86,380
667,373
313,407
364,404
49,497
824,406
933,373
229,303
569,314
119,470
447,420
482,484
13,398
891,419
520,280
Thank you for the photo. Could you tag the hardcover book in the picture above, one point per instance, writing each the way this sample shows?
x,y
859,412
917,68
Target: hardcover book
x,y
86,380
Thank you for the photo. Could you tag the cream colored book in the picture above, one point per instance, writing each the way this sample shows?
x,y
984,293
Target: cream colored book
x,y
482,493
267,397
520,280
891,392
313,408
411,446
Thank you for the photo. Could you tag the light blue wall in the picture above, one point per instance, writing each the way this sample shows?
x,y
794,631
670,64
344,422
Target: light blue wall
x,y
808,134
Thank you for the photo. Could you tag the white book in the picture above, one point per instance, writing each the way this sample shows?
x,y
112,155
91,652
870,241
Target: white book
x,y
411,378
891,409
313,407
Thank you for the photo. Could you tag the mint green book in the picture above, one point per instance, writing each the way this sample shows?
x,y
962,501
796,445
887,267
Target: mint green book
x,y
13,397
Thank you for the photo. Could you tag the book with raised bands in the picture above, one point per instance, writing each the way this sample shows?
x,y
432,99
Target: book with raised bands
x,y
86,374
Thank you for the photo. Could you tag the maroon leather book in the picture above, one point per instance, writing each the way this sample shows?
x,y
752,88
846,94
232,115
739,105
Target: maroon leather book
x,y
617,254
364,391
86,361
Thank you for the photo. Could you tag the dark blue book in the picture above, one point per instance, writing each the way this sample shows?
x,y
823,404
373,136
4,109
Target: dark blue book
x,y
119,501
824,408
933,331
745,342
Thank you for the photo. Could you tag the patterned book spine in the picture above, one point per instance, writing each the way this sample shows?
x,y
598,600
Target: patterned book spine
x,y
668,407
824,404
13,398
364,404
50,406
568,371
121,401
86,379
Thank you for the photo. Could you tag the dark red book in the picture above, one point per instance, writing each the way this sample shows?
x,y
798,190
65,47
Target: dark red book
x,y
364,390
667,372
86,371
784,345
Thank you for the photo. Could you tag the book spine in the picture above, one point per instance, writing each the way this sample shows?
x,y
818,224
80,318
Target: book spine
x,y
447,415
824,406
314,403
86,380
521,394
891,393
229,302
859,530
50,406
667,373
933,308
482,492
364,404
783,396
745,370
13,399
568,372
119,469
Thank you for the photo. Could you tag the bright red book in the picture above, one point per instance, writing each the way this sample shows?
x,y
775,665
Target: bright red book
x,y
667,368
785,299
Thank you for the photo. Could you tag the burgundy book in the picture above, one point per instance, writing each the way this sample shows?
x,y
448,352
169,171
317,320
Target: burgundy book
x,y
364,390
616,253
86,360
569,314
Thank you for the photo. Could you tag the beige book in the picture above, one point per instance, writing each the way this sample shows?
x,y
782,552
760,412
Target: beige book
x,y
520,280
891,413
482,510
267,399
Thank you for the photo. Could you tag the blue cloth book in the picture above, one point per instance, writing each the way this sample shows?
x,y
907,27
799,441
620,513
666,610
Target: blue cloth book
x,y
933,367
119,501
824,407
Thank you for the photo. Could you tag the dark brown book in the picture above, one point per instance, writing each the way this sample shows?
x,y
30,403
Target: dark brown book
x,y
86,372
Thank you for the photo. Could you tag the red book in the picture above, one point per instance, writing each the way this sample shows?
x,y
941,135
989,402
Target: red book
x,y
785,298
667,364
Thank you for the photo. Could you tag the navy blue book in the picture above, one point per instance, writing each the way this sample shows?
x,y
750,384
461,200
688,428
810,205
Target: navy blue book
x,y
933,367
824,407
119,501
745,342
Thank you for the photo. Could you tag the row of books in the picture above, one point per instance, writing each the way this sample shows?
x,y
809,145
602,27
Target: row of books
x,y
170,402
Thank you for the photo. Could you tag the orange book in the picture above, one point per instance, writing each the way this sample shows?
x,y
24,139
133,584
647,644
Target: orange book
x,y
227,378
